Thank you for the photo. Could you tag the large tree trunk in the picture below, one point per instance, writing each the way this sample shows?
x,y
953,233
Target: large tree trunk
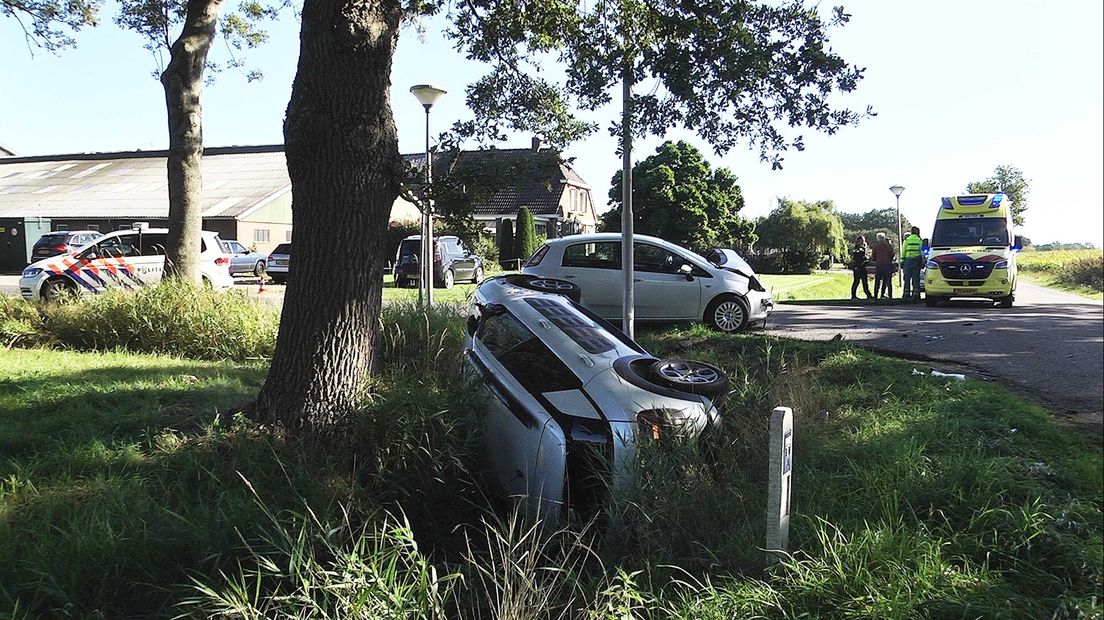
x,y
343,159
183,82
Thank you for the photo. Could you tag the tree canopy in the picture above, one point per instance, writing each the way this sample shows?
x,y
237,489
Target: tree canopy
x,y
679,197
874,221
733,71
802,232
50,24
1009,180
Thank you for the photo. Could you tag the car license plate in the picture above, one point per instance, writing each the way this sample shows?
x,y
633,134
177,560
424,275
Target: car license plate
x,y
965,291
279,262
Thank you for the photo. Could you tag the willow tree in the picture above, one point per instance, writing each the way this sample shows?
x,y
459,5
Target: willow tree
x,y
733,71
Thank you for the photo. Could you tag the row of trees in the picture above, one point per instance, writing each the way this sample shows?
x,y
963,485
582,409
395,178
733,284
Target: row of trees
x,y
733,71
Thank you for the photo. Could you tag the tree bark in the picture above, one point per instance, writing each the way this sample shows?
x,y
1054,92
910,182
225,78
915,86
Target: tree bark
x,y
183,82
343,159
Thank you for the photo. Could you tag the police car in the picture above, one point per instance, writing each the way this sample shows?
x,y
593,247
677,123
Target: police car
x,y
568,397
122,259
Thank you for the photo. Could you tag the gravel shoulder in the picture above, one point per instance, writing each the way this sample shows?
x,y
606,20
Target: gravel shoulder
x,y
1048,348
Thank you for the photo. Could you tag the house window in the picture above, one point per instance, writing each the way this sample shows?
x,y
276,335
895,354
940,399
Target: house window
x,y
260,235
123,227
287,236
95,227
60,227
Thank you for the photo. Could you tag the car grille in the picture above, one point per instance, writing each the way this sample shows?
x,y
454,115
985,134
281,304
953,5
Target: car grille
x,y
965,282
973,270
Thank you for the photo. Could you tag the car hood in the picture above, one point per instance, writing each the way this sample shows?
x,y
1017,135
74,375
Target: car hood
x,y
728,260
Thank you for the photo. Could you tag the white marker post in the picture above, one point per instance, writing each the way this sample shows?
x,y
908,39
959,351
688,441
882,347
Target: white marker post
x,y
779,483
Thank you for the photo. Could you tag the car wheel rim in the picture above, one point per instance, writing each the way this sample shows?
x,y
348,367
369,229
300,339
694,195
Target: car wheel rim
x,y
551,285
689,374
728,316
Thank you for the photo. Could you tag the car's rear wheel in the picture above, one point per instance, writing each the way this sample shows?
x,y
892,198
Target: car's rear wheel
x,y
448,279
694,377
58,288
547,285
477,277
259,268
728,314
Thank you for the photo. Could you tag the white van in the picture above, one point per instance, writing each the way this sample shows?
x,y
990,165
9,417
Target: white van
x,y
121,259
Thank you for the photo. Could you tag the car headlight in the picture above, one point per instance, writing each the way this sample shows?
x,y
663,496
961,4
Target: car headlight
x,y
1001,264
31,272
933,265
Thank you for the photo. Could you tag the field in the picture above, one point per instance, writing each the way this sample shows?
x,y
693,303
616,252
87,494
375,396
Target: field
x,y
817,285
1077,271
129,489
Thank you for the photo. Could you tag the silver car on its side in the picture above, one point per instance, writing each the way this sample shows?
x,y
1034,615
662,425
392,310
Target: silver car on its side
x,y
671,282
568,397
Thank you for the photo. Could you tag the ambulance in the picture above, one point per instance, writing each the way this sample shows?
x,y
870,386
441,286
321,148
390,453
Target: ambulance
x,y
972,250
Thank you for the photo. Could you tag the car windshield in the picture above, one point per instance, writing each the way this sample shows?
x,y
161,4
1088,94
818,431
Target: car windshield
x,y
283,248
990,231
54,239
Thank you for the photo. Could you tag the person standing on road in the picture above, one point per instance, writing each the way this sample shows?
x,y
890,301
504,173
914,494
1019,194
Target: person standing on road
x,y
911,258
860,256
884,259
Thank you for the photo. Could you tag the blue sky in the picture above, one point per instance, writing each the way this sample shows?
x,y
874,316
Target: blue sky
x,y
959,87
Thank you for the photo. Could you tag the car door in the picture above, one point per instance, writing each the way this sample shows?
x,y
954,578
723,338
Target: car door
x,y
662,290
596,268
116,262
465,259
151,262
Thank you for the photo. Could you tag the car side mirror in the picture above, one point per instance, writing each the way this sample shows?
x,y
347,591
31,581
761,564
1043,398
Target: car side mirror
x,y
925,245
1017,243
473,324
688,271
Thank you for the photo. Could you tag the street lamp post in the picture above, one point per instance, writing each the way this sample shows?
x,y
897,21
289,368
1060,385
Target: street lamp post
x,y
897,191
427,95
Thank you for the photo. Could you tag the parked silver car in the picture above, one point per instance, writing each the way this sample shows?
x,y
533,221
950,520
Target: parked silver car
x,y
568,397
244,261
672,283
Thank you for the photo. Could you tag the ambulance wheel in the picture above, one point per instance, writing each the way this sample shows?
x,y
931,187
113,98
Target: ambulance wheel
x,y
1005,302
58,288
931,301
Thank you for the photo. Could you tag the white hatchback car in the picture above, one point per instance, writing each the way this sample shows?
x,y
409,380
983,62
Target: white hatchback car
x,y
120,259
569,397
672,283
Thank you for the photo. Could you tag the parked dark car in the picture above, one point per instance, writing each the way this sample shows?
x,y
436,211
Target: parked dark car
x,y
451,262
279,263
62,242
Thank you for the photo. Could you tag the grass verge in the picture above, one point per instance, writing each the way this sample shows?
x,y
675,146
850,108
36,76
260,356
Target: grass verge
x,y
120,496
815,286
1052,281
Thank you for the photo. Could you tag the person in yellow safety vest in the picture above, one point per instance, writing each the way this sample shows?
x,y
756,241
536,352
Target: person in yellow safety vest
x,y
911,260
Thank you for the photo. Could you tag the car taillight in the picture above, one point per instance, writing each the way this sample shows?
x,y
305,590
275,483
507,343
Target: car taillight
x,y
651,423
61,247
222,260
437,255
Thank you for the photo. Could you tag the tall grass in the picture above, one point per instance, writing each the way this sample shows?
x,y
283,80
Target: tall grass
x,y
1075,268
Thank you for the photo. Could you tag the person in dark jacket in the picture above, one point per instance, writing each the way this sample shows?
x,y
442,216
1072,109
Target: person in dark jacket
x,y
860,256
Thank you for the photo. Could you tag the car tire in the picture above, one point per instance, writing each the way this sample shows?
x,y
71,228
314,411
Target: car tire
x,y
402,282
688,376
547,285
1006,301
259,268
477,277
447,279
278,279
56,289
932,300
727,313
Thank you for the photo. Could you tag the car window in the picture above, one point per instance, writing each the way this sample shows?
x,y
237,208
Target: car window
x,y
118,247
524,356
584,332
655,259
51,240
154,244
599,255
237,248
283,248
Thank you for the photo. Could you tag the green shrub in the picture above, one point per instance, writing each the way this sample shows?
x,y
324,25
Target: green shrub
x,y
1083,271
525,239
20,323
172,319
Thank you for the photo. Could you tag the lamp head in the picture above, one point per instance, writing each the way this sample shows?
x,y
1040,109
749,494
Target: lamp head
x,y
427,94
897,190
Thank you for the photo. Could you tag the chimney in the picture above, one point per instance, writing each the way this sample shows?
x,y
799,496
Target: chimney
x,y
536,143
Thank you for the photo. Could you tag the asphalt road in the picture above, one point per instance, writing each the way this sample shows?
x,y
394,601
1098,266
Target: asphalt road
x,y
1048,348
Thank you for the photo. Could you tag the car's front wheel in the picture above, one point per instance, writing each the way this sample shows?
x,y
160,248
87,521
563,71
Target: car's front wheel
x,y
259,268
447,279
58,288
931,301
477,277
728,314
1005,302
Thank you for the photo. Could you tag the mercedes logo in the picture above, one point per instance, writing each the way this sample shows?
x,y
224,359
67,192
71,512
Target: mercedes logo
x,y
965,268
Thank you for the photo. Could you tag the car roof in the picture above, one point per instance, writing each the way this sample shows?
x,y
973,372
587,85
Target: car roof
x,y
438,237
499,290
